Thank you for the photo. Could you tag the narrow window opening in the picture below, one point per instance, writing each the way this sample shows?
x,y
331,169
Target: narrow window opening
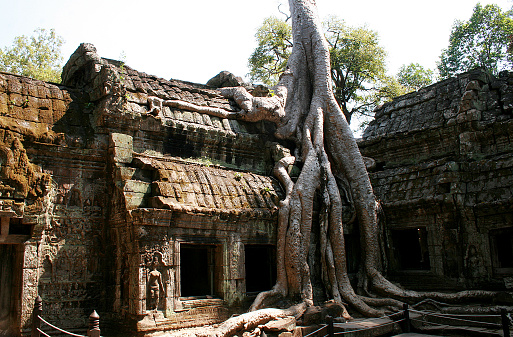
x,y
260,267
501,241
17,228
410,248
197,267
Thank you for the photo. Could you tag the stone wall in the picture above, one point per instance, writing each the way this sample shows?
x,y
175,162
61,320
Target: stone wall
x,y
444,164
53,167
96,186
116,176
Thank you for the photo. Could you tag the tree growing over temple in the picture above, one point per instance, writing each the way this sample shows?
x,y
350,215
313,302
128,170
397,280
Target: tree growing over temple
x,y
307,114
37,56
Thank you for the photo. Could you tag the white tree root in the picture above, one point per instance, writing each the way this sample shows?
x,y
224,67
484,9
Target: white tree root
x,y
305,110
251,320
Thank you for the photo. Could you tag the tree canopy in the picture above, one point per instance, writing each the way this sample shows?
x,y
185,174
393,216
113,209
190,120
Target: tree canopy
x,y
482,41
270,57
358,63
414,76
37,56
358,68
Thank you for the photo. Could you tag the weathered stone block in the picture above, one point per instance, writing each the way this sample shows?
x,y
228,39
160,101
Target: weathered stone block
x,y
4,109
57,114
121,154
14,85
120,140
30,259
134,200
60,105
16,99
284,324
43,91
137,186
164,189
125,173
31,114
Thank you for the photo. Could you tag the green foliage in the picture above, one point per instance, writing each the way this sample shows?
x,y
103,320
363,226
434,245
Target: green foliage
x,y
37,56
414,76
482,41
270,57
357,62
358,68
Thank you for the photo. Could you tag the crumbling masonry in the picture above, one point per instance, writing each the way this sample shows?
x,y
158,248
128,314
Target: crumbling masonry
x,y
119,194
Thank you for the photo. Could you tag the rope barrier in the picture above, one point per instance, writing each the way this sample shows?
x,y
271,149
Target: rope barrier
x,y
369,328
316,331
434,323
59,329
464,328
425,314
354,330
42,332
457,319
466,315
376,318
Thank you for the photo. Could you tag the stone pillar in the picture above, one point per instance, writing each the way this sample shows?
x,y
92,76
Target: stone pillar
x,y
234,282
141,294
169,280
29,279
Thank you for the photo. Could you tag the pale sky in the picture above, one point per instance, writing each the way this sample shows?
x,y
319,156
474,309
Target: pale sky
x,y
193,40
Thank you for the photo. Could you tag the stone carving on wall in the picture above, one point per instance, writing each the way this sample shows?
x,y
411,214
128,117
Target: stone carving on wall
x,y
155,287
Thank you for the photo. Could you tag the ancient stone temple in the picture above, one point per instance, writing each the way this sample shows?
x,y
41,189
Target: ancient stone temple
x,y
120,194
444,174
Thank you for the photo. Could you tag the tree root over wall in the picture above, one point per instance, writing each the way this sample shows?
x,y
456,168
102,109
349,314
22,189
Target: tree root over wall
x,y
305,111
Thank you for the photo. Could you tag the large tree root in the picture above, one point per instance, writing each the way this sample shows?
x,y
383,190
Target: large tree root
x,y
251,320
305,111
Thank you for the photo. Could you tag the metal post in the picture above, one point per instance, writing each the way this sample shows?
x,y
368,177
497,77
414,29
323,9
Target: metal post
x,y
407,322
331,329
505,323
94,325
36,312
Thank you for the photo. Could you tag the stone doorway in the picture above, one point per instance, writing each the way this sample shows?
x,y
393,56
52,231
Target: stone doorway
x,y
411,249
10,289
501,242
260,267
197,267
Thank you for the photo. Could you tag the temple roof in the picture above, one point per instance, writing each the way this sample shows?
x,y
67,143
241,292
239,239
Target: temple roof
x,y
204,188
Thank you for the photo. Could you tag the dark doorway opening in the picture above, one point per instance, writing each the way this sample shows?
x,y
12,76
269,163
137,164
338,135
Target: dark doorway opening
x,y
411,249
501,241
260,268
197,267
10,288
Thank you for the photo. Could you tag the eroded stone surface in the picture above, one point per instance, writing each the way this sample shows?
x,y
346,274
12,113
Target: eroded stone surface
x,y
444,165
100,179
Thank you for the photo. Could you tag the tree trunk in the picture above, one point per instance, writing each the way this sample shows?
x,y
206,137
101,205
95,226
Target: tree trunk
x,y
305,110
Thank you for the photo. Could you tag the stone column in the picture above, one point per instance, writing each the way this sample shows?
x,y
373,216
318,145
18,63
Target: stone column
x,y
234,285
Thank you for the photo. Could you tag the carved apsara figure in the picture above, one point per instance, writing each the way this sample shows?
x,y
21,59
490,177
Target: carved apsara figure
x,y
154,285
